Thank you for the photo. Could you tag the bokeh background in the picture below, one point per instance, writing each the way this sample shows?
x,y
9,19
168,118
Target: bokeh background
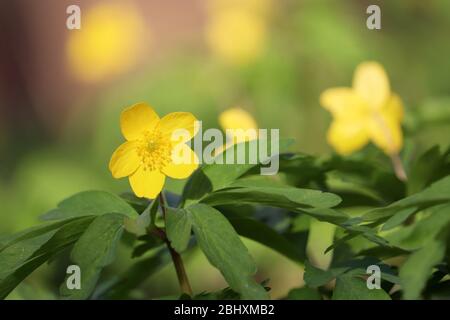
x,y
62,91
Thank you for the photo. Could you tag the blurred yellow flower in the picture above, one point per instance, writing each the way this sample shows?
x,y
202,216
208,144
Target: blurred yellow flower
x,y
236,33
150,150
237,118
236,122
367,111
108,43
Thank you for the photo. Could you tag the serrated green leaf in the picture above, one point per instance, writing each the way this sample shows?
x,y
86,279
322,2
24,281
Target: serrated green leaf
x,y
225,250
90,203
178,228
94,250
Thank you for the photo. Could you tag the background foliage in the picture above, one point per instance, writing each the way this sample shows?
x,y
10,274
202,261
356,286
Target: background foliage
x,y
57,132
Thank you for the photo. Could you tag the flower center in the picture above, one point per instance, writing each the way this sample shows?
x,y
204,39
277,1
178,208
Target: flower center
x,y
154,151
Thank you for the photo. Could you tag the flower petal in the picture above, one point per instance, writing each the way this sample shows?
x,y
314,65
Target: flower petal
x,y
147,183
184,161
371,82
344,103
125,160
385,131
394,107
137,119
185,122
346,137
237,118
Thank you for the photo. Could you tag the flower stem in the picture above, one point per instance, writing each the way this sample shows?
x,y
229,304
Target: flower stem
x,y
398,167
176,258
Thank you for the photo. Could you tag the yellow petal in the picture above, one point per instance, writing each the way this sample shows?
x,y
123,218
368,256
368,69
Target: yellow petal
x,y
385,132
344,103
178,122
371,82
184,161
346,137
394,107
124,160
137,119
237,118
146,183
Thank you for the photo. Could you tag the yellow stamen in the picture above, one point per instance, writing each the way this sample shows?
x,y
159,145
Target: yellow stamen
x,y
154,151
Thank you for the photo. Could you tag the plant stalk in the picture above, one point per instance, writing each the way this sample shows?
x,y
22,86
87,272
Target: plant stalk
x,y
176,258
398,167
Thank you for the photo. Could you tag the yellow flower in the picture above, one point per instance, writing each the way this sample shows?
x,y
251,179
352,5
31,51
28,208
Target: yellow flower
x,y
368,111
237,118
239,126
236,36
108,43
153,149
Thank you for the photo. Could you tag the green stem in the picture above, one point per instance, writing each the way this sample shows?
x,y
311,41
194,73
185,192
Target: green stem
x,y
176,258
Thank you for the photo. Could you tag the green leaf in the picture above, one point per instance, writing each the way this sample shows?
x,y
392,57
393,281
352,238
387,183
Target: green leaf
x,y
415,272
349,287
260,232
146,220
139,204
398,218
437,193
315,277
135,276
431,166
17,255
178,228
90,203
282,197
225,250
211,177
304,293
20,259
31,233
94,250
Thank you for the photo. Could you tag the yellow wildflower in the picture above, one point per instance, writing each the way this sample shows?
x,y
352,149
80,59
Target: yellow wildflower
x,y
236,121
239,126
108,43
236,36
153,149
368,111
